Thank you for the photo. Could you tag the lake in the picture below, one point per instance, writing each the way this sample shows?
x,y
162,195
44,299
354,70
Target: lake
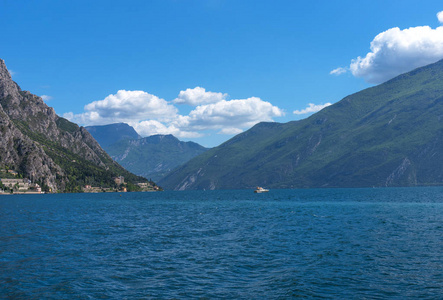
x,y
312,243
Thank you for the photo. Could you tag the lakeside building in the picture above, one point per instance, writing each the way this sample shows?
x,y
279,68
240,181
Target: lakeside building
x,y
119,180
21,185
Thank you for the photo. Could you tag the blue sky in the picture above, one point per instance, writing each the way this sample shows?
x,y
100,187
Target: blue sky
x,y
206,70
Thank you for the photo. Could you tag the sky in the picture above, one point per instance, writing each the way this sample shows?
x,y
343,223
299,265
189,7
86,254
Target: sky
x,y
206,70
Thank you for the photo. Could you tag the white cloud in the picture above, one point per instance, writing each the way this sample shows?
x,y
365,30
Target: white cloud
x,y
440,16
150,115
152,127
396,51
238,114
125,106
198,96
46,98
312,108
338,71
69,116
230,131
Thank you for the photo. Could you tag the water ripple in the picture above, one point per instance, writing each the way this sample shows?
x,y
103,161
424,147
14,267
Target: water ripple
x,y
342,244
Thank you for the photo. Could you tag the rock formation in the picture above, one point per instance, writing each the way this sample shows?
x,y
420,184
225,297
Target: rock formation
x,y
40,145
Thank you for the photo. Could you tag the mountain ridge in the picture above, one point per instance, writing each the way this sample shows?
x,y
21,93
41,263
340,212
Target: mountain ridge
x,y
107,135
154,156
387,135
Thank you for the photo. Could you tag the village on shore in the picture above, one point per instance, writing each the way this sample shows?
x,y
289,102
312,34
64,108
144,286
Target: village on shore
x,y
12,183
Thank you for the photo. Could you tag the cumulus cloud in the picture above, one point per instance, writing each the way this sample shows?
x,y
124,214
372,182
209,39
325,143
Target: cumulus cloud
x,y
46,98
396,51
198,96
312,108
440,17
125,106
150,115
237,114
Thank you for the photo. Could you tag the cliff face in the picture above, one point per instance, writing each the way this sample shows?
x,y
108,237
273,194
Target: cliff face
x,y
43,146
18,151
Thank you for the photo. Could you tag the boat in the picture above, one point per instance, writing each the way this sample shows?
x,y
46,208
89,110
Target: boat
x,y
260,190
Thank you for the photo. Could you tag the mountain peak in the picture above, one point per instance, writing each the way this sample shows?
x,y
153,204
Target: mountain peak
x,y
4,72
2,65
162,137
153,156
107,135
7,86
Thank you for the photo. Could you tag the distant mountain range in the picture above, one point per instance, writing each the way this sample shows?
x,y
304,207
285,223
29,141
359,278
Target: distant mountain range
x,y
107,135
387,135
151,157
50,150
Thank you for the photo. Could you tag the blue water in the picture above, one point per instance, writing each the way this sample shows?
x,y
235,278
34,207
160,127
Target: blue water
x,y
331,243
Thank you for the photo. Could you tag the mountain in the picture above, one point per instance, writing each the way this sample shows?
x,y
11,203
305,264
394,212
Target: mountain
x,y
57,154
110,134
387,135
154,156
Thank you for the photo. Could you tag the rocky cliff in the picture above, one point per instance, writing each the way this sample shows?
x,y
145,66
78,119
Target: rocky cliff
x,y
47,148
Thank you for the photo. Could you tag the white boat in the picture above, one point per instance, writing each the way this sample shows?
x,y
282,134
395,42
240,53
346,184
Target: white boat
x,y
260,190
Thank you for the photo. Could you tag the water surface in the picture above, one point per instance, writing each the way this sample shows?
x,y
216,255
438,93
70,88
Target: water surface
x,y
331,243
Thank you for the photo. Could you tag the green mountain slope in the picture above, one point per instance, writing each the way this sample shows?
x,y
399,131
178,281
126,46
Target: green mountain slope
x,y
107,135
388,135
153,157
58,154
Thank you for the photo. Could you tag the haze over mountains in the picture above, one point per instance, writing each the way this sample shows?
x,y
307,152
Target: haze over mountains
x,y
107,135
387,135
38,144
151,157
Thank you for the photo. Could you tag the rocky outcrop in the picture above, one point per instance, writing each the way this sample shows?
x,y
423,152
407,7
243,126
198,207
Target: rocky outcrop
x,y
19,152
400,171
39,144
